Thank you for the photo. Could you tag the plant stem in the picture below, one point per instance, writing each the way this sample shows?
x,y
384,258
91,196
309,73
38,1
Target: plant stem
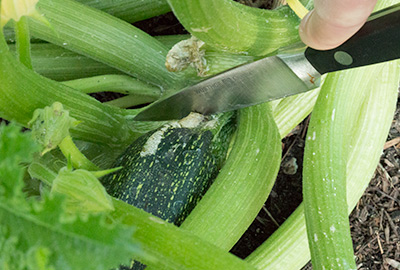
x,y
230,26
79,161
106,39
57,63
171,247
290,111
324,177
287,248
130,10
130,101
22,91
298,8
115,83
22,38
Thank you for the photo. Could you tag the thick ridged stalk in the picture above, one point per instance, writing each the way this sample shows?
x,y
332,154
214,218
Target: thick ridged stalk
x,y
114,83
290,111
233,27
377,86
130,10
23,42
22,91
104,38
169,247
324,174
60,64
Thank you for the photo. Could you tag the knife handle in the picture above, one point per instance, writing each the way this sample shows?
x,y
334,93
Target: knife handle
x,y
377,41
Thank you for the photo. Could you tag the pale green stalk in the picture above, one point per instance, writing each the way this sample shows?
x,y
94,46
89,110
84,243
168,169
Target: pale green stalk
x,y
287,248
130,101
171,247
130,10
57,63
23,42
106,39
23,91
79,161
231,26
115,83
324,174
290,111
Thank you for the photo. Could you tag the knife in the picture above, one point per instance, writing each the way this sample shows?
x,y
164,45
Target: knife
x,y
291,70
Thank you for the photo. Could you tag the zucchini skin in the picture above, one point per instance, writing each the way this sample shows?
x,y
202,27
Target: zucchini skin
x,y
169,180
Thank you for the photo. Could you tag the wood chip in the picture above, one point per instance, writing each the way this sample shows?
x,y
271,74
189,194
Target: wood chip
x,y
393,263
391,143
379,242
391,223
387,233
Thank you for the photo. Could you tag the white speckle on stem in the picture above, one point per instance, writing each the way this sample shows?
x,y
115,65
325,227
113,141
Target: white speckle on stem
x,y
315,237
157,220
333,114
202,29
332,228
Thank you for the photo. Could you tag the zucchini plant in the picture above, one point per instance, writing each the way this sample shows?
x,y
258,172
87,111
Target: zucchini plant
x,y
75,182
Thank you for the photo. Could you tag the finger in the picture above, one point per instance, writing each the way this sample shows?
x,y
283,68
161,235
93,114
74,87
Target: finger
x,y
332,22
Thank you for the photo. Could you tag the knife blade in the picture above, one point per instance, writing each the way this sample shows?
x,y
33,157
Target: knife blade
x,y
291,70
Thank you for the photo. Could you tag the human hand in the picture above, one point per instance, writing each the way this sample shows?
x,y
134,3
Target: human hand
x,y
332,22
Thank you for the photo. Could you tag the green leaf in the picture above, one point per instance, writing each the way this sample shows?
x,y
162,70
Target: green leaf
x,y
15,147
37,227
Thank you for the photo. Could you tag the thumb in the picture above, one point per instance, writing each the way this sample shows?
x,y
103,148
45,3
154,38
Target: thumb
x,y
332,22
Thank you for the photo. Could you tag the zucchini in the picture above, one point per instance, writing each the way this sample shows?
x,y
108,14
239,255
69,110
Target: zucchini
x,y
165,172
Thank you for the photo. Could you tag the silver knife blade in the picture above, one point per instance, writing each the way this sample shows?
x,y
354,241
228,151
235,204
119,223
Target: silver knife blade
x,y
285,74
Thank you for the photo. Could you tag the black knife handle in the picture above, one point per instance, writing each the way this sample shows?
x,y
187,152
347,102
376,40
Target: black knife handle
x,y
377,41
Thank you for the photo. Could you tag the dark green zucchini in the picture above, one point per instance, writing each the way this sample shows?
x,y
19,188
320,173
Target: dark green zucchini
x,y
166,171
